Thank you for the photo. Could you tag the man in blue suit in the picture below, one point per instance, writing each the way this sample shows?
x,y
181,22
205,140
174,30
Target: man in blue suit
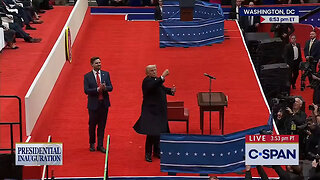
x,y
312,52
97,84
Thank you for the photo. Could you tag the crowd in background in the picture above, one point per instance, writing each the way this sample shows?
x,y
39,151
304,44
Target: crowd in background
x,y
17,17
290,111
222,2
290,114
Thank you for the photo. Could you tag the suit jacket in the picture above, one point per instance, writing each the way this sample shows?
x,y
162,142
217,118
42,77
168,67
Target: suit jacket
x,y
153,119
158,13
90,88
233,13
315,49
289,56
286,175
245,23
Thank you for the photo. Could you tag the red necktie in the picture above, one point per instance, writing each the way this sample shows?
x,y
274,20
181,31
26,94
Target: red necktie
x,y
98,84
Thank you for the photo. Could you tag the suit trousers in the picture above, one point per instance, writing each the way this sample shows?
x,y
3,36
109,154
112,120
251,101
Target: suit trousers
x,y
98,118
152,141
294,68
313,66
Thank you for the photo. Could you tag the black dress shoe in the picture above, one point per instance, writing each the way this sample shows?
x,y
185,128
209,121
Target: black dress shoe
x,y
34,40
92,147
101,149
148,158
28,27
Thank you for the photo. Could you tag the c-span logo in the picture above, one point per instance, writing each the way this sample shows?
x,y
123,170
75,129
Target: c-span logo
x,y
272,150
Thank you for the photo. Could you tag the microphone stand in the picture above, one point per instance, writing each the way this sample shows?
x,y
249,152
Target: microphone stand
x,y
210,79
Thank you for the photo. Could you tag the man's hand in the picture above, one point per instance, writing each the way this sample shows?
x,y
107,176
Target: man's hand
x,y
289,110
315,77
102,87
173,89
165,73
248,167
308,132
314,163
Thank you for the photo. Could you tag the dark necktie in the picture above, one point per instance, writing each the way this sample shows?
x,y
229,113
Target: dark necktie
x,y
98,84
310,45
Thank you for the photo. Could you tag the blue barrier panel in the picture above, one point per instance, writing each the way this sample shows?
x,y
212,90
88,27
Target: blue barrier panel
x,y
205,154
206,28
191,33
140,17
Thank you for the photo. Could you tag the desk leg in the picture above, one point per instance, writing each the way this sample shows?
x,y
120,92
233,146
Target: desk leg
x,y
210,121
220,115
201,121
222,121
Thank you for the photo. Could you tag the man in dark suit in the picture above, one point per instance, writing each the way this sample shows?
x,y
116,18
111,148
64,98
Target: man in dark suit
x,y
312,52
292,56
249,23
235,10
153,119
158,11
97,84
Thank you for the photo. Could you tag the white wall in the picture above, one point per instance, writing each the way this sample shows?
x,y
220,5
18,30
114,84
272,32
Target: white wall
x,y
45,80
2,43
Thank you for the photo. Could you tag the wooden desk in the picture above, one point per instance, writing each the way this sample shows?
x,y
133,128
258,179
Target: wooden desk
x,y
218,102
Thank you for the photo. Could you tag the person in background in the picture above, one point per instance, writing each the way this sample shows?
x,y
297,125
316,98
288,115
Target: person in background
x,y
9,36
153,119
292,56
249,23
295,1
283,31
97,84
158,11
292,172
312,53
235,10
213,178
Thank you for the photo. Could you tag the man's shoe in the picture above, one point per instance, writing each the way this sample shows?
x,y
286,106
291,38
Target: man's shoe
x,y
148,158
101,149
34,40
37,21
28,27
92,147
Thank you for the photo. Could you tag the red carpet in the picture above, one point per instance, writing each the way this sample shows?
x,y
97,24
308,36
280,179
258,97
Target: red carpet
x,y
19,67
125,49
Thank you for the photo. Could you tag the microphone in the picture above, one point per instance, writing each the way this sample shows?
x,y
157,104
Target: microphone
x,y
209,76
